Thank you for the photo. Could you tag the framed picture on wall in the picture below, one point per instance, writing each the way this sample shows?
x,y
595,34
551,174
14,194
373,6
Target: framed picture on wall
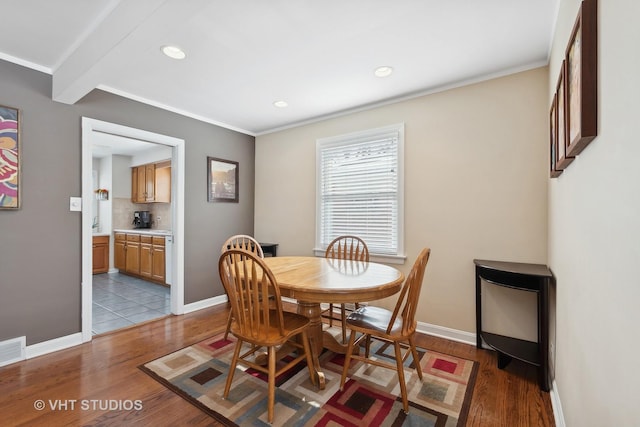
x,y
582,85
553,138
562,159
222,180
10,158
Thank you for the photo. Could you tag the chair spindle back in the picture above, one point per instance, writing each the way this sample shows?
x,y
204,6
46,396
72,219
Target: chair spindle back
x,y
348,247
253,293
245,242
410,294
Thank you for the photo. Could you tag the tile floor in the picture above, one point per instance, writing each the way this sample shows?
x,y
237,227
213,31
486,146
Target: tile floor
x,y
120,300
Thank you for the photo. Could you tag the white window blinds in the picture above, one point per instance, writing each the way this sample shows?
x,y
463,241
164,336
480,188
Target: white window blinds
x,y
359,189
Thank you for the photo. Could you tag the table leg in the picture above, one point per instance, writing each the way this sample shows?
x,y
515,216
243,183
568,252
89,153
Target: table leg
x,y
312,311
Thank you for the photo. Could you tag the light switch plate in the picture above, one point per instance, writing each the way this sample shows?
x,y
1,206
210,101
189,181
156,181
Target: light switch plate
x,y
75,204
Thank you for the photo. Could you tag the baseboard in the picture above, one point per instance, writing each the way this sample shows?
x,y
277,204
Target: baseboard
x,y
448,333
205,303
557,406
55,344
425,328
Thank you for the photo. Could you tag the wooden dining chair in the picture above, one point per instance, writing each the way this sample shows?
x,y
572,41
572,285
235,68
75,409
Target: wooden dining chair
x,y
349,248
260,321
394,327
248,243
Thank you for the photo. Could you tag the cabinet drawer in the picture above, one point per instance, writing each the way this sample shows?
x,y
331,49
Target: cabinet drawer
x,y
121,236
133,237
158,240
145,239
100,240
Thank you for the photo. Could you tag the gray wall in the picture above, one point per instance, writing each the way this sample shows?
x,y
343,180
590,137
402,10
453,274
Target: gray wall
x,y
40,244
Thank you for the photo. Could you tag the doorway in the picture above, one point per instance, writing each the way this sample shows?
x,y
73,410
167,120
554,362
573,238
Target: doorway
x,y
94,131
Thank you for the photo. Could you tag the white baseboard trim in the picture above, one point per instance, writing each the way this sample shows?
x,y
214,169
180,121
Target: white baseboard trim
x,y
425,328
205,303
56,344
556,404
448,333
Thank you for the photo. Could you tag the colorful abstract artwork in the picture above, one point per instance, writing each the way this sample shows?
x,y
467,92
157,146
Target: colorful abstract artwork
x,y
9,158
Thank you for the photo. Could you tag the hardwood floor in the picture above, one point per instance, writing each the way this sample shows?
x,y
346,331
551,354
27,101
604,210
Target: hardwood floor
x,y
105,373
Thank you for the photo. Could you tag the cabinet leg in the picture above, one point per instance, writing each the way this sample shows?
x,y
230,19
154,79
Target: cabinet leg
x,y
503,360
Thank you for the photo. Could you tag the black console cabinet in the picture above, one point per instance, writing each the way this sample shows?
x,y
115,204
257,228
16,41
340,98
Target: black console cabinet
x,y
269,249
526,277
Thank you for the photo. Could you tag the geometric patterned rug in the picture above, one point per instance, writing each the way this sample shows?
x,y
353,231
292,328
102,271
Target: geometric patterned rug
x,y
371,396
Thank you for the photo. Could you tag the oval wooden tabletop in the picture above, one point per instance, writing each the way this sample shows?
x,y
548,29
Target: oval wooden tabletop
x,y
315,279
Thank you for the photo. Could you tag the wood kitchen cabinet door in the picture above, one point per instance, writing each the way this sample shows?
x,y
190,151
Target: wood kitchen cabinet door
x,y
163,184
120,251
158,260
132,253
145,260
100,254
139,184
150,182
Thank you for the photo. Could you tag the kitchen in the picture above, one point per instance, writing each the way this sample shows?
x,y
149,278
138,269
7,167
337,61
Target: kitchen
x,y
132,237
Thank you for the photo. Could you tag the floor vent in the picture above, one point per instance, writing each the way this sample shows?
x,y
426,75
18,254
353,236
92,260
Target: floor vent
x,y
13,350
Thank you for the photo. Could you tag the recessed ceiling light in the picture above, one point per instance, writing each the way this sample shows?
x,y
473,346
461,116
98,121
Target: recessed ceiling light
x,y
383,71
280,104
173,52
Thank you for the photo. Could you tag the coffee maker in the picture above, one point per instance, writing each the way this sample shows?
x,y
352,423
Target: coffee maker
x,y
141,219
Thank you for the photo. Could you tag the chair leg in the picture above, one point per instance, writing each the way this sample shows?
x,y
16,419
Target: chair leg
x,y
347,359
414,353
367,344
232,368
310,360
330,314
272,382
403,386
226,333
343,322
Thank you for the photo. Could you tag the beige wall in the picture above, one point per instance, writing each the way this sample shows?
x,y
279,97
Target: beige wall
x,y
475,186
594,234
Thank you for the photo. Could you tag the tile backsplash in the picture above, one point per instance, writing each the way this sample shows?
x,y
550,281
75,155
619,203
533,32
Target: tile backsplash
x,y
123,209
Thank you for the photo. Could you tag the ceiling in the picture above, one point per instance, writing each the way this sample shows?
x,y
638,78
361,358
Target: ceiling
x,y
243,55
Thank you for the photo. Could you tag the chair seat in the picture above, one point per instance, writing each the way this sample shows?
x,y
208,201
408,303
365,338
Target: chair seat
x,y
293,324
374,319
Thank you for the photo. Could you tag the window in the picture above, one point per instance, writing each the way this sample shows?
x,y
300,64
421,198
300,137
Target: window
x,y
359,180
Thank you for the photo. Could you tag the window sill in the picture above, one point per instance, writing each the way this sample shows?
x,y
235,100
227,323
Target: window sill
x,y
384,259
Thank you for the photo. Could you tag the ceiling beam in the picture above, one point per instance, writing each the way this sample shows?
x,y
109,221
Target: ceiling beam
x,y
132,26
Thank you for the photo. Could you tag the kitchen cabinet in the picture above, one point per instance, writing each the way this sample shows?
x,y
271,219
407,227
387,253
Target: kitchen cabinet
x,y
141,255
100,254
120,251
151,183
162,182
152,258
132,254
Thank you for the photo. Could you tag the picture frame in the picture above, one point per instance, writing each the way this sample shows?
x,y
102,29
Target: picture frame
x,y
563,160
553,138
581,59
10,158
222,180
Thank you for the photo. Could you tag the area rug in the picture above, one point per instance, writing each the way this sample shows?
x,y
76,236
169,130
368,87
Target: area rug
x,y
371,396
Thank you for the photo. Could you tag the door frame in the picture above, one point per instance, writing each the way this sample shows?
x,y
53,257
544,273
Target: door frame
x,y
91,127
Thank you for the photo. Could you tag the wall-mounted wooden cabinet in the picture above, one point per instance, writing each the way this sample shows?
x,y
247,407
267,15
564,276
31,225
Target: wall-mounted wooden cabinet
x,y
100,254
151,183
140,255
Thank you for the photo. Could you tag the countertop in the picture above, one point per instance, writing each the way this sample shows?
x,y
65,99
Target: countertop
x,y
149,231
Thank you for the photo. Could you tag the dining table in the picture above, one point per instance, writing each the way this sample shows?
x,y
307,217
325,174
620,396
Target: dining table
x,y
315,280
